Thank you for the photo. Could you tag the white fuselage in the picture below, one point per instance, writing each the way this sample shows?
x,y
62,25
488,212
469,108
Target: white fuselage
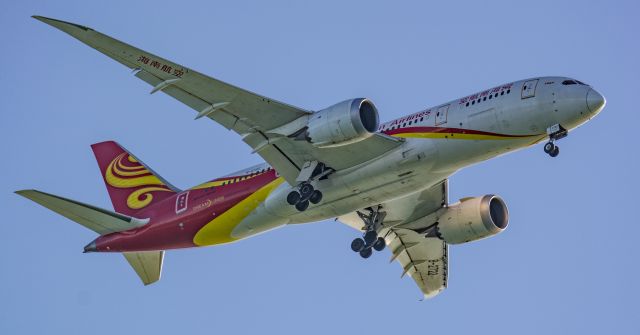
x,y
447,137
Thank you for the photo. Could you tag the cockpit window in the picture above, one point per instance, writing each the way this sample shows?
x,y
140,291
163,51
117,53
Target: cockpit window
x,y
573,82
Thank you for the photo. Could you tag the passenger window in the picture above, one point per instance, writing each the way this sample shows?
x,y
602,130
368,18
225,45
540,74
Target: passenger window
x,y
473,102
502,93
508,91
491,96
484,99
467,104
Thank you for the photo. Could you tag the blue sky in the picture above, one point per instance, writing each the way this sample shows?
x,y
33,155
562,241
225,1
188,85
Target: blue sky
x,y
568,264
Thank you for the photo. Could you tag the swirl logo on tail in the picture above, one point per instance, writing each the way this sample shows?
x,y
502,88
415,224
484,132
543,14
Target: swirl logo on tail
x,y
125,171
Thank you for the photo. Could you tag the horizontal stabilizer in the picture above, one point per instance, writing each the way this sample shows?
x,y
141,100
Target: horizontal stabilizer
x,y
100,220
148,264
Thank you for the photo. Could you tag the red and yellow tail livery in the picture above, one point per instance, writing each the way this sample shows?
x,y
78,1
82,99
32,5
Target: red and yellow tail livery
x,y
131,185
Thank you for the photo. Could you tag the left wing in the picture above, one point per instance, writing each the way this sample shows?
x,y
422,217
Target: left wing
x,y
425,259
262,122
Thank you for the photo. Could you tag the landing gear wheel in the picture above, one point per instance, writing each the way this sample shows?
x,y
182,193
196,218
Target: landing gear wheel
x,y
306,190
555,152
357,245
293,197
549,147
302,205
370,237
366,253
315,197
379,244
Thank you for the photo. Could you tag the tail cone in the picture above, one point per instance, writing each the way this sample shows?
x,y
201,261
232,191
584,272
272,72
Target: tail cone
x,y
91,247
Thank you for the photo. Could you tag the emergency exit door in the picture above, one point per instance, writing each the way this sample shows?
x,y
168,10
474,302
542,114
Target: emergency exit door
x,y
529,88
441,115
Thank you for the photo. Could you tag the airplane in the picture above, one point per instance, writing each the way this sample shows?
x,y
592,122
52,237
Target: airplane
x,y
387,180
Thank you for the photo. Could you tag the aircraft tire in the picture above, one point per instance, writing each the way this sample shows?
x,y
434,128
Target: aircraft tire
x,y
316,197
293,198
370,237
549,147
357,245
302,205
379,244
555,152
306,190
366,253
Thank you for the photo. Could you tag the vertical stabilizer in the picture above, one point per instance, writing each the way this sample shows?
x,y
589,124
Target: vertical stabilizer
x,y
132,185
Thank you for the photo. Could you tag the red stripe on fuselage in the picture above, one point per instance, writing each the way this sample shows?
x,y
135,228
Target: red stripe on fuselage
x,y
446,130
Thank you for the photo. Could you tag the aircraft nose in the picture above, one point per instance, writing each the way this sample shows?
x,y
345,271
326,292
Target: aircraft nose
x,y
595,101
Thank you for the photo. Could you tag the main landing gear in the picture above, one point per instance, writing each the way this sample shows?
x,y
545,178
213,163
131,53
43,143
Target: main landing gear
x,y
370,240
555,132
305,192
303,196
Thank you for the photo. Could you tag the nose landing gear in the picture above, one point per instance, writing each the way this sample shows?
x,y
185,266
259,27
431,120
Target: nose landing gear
x,y
551,149
370,240
555,132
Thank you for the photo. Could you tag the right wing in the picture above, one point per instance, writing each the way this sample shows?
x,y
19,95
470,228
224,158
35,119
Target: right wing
x,y
263,123
426,260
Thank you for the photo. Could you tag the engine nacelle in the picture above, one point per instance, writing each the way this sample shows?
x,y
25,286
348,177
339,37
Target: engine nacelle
x,y
473,219
343,123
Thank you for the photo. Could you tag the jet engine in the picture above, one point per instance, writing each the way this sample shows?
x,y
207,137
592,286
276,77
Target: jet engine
x,y
473,219
343,123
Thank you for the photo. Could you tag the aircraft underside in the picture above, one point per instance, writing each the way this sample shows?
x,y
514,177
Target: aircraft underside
x,y
387,180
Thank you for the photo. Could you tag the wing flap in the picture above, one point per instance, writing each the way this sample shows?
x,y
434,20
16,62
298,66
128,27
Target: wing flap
x,y
424,259
147,264
97,219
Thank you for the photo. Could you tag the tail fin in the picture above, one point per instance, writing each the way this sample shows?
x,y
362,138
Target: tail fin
x,y
132,185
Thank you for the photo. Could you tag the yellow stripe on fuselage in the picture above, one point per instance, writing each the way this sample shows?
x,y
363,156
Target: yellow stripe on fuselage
x,y
219,229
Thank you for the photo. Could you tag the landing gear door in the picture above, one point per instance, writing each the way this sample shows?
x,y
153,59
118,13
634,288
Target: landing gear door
x,y
441,115
529,89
